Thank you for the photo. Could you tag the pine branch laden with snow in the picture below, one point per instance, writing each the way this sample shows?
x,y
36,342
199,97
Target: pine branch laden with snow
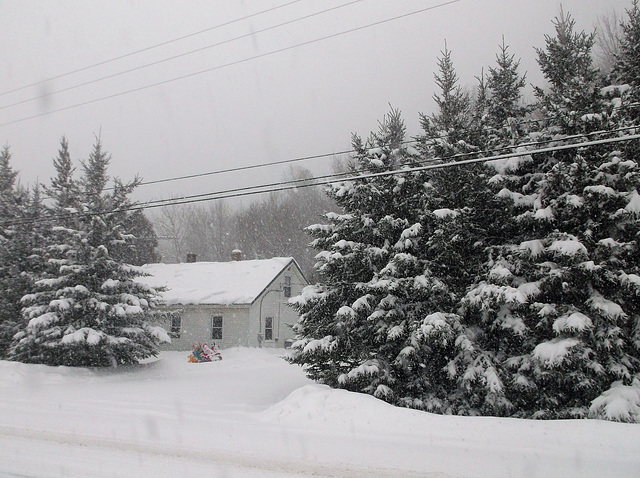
x,y
571,330
620,403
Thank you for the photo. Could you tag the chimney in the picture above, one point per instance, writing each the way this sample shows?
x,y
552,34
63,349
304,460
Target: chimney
x,y
191,257
236,255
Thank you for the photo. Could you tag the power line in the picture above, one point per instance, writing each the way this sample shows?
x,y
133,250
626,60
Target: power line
x,y
259,189
111,60
297,182
246,168
190,52
302,182
350,151
313,182
253,190
328,179
233,63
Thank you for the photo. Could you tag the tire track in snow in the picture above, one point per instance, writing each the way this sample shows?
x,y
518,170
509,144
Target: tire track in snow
x,y
239,462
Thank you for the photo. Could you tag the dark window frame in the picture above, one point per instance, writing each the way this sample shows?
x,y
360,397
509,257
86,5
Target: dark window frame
x,y
176,325
216,330
286,288
268,328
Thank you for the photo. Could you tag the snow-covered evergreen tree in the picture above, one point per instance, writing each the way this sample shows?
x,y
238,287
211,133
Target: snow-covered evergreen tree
x,y
7,181
12,207
87,309
505,289
556,311
461,225
28,246
504,109
448,130
480,109
357,324
64,190
396,264
567,65
627,67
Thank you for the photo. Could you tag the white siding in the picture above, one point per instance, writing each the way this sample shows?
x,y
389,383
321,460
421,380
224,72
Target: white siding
x,y
197,327
273,303
235,322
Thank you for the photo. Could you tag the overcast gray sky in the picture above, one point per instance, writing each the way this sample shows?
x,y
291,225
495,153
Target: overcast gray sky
x,y
262,107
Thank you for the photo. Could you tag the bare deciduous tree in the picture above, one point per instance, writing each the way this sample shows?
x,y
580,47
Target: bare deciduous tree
x,y
209,232
273,226
607,49
171,227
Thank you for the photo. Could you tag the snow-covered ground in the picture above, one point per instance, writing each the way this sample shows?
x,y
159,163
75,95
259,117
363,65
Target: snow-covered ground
x,y
254,415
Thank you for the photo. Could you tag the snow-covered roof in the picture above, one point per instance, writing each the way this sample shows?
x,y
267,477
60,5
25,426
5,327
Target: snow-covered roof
x,y
224,283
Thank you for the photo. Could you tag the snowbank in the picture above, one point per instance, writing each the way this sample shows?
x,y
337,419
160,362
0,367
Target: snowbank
x,y
254,415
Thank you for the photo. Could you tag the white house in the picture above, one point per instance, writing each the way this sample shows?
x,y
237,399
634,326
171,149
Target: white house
x,y
235,303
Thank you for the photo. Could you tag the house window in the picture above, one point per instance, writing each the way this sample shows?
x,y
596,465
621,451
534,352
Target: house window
x,y
268,328
216,327
287,286
176,326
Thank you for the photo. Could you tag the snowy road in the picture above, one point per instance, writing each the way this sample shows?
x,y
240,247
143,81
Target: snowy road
x,y
75,455
253,415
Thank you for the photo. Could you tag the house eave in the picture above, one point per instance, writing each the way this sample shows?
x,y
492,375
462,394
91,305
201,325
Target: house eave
x,y
208,304
268,286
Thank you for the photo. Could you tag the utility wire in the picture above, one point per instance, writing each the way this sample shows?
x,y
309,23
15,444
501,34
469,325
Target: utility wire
x,y
335,176
350,151
284,186
432,163
190,52
261,188
248,191
246,168
126,55
233,63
